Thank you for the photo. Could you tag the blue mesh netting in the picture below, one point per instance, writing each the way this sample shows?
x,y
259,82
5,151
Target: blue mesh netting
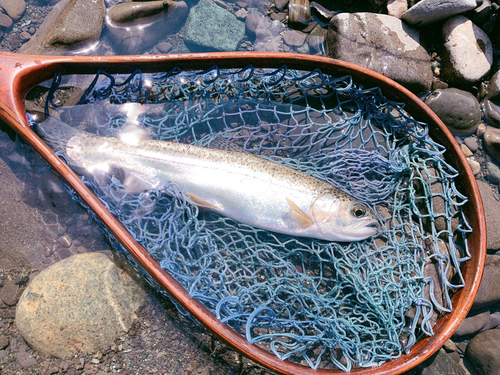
x,y
324,304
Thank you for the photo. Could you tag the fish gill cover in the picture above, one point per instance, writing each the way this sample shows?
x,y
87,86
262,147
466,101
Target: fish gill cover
x,y
325,304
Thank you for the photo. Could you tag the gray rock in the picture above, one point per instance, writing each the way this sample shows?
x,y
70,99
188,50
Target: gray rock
x,y
492,141
459,110
492,172
494,321
489,290
82,303
72,25
294,38
440,363
491,210
164,47
471,142
4,342
136,26
14,8
473,323
480,14
481,356
211,28
381,43
468,52
429,11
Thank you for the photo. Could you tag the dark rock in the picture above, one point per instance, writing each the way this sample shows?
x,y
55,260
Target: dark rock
x,y
381,43
440,363
299,11
489,290
211,28
459,110
473,323
481,356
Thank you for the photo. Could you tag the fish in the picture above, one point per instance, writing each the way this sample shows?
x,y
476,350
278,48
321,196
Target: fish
x,y
247,188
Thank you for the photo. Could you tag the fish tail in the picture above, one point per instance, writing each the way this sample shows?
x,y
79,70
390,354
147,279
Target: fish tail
x,y
56,134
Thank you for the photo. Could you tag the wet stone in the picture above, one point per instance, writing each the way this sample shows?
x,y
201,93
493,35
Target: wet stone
x,y
428,11
471,143
381,43
468,52
492,172
211,28
491,103
294,38
481,356
82,303
459,110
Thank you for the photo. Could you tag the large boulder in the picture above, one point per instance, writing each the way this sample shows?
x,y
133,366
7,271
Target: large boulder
x,y
382,43
81,303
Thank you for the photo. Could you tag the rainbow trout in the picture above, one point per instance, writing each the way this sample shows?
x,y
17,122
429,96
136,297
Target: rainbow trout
x,y
244,187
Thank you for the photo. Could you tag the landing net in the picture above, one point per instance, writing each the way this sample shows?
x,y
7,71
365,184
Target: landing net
x,y
324,304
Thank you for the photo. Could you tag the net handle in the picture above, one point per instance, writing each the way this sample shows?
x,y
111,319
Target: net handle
x,y
19,73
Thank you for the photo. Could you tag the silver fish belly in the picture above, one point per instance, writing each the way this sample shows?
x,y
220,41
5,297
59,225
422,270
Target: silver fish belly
x,y
247,188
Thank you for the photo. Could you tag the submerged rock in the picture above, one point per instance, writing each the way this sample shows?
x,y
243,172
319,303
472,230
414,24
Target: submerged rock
x,y
136,26
71,26
382,43
468,52
267,33
459,110
82,303
211,28
299,11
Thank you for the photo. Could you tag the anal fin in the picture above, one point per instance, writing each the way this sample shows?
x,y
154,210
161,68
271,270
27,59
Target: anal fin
x,y
304,220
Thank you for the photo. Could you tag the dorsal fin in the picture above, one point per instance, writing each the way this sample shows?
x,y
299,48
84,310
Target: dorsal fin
x,y
221,143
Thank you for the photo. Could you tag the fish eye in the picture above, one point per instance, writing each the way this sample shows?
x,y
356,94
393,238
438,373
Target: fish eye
x,y
358,211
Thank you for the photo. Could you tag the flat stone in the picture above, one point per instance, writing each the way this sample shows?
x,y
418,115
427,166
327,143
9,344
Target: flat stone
x,y
14,8
211,28
474,165
82,303
135,27
4,342
471,143
381,43
481,356
294,38
494,321
473,323
468,52
429,11
459,110
489,290
164,47
396,8
492,141
72,25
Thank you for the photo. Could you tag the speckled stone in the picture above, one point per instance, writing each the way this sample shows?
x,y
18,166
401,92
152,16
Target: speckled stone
x,y
82,303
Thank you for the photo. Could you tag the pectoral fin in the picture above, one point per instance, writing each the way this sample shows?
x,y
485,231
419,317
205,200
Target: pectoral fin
x,y
200,202
304,220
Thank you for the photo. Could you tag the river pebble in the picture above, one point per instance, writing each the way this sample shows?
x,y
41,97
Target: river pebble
x,y
492,141
458,109
482,356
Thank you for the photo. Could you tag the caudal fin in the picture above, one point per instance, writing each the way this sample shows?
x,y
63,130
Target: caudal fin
x,y
56,134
